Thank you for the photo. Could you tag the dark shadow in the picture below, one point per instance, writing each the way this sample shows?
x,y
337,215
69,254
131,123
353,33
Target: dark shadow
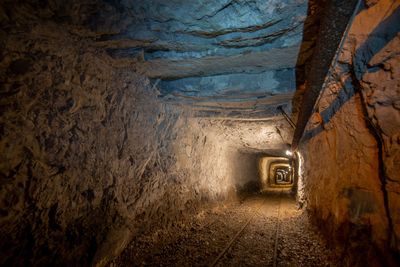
x,y
245,173
377,40
310,35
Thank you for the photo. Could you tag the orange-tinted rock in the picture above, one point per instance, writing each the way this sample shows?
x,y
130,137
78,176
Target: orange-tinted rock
x,y
353,158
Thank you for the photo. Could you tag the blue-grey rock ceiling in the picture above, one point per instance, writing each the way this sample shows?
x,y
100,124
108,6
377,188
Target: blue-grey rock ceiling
x,y
202,51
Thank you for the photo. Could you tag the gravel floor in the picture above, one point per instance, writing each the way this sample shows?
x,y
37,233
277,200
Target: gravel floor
x,y
199,241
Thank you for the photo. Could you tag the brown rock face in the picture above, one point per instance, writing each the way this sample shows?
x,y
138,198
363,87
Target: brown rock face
x,y
69,147
377,64
353,153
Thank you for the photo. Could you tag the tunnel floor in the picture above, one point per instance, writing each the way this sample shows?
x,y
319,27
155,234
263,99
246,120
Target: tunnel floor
x,y
277,234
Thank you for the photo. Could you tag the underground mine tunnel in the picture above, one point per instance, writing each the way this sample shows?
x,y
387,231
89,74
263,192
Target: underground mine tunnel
x,y
200,132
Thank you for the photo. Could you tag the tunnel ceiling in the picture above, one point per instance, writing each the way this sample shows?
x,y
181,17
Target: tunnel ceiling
x,y
232,58
229,57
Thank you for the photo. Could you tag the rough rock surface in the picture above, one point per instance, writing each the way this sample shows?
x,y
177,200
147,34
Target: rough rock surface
x,y
351,145
90,156
73,173
177,40
214,49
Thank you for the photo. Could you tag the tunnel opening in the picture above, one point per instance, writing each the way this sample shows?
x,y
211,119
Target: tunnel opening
x,y
263,172
276,173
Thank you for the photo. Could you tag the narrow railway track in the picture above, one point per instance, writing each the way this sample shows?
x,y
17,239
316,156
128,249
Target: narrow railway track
x,y
275,259
245,225
248,233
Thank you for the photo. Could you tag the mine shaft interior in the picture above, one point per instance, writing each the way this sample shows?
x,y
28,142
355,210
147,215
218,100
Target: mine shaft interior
x,y
200,133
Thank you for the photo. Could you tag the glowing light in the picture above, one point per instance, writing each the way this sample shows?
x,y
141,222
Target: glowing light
x,y
300,182
300,160
289,153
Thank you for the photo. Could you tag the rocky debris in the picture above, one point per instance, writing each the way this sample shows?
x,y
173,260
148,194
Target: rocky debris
x,y
301,243
199,240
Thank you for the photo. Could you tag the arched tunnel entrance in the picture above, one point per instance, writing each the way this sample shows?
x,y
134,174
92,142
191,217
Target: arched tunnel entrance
x,y
199,133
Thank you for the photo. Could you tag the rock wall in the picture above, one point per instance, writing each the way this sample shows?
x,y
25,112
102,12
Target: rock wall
x,y
223,154
351,145
90,156
78,137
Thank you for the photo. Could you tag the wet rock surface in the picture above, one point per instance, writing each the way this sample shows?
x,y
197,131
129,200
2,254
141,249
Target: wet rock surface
x,y
198,241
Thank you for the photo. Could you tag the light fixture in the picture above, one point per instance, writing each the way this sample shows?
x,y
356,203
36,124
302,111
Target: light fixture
x,y
289,153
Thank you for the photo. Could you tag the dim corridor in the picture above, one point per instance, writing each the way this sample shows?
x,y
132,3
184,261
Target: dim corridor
x,y
277,234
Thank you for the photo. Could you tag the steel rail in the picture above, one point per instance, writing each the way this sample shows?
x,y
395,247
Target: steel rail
x,y
234,238
276,243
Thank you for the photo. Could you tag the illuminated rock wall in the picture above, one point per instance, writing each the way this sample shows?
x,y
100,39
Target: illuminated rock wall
x,y
351,145
223,154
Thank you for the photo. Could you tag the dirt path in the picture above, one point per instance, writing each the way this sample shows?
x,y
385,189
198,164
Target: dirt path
x,y
199,242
